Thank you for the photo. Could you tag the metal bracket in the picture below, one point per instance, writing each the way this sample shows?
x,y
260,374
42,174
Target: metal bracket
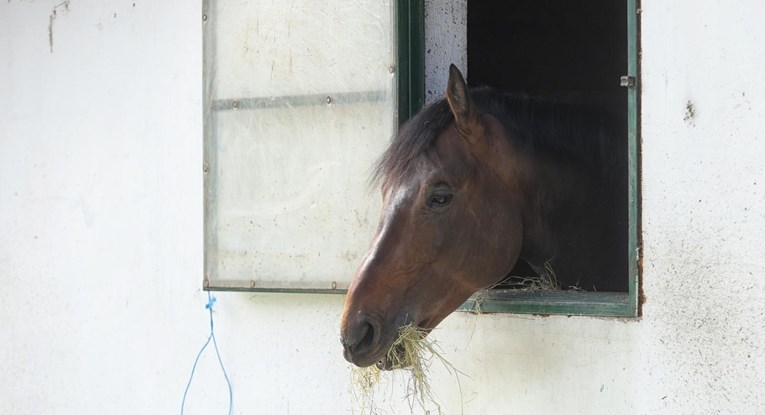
x,y
627,81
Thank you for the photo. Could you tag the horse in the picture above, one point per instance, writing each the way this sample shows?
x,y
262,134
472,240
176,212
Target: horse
x,y
472,185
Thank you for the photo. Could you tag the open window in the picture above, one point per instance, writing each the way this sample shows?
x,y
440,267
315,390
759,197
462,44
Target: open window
x,y
574,52
299,101
294,114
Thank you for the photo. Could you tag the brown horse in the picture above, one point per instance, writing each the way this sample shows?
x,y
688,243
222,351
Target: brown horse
x,y
472,184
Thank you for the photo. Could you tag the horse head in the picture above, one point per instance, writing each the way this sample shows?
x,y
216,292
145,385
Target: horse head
x,y
450,224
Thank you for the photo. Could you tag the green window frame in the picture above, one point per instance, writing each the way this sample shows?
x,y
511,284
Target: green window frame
x,y
410,61
411,57
607,304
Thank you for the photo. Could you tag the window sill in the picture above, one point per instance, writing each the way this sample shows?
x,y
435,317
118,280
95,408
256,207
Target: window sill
x,y
571,303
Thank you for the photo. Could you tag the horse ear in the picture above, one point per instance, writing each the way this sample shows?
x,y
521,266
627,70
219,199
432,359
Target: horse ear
x,y
466,117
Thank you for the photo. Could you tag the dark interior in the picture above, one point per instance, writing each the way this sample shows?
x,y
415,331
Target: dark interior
x,y
570,51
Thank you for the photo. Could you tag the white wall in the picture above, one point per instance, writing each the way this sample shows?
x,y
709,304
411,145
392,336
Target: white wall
x,y
100,239
445,43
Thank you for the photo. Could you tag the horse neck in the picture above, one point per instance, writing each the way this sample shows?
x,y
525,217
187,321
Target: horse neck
x,y
559,204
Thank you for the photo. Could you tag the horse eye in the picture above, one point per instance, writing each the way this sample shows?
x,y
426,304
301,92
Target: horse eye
x,y
440,199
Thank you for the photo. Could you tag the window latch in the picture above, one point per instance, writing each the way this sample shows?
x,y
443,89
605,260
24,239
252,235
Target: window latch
x,y
627,81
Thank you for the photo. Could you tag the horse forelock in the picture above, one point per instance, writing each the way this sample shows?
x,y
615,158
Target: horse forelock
x,y
414,138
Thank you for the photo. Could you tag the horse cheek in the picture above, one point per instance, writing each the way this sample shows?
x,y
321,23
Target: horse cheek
x,y
501,241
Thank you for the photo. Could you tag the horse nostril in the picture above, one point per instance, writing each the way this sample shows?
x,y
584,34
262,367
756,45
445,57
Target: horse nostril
x,y
362,337
367,339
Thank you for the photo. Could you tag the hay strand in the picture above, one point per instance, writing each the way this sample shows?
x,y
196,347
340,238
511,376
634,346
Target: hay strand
x,y
545,281
412,352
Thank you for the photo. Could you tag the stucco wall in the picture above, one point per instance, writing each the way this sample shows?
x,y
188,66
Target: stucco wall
x,y
101,255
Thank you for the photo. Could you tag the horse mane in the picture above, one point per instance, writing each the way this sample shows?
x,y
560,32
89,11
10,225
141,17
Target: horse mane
x,y
570,133
414,137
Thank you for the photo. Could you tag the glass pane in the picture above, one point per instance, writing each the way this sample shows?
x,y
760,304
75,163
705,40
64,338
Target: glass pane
x,y
300,101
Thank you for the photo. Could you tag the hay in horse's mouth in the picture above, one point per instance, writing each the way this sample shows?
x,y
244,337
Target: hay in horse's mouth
x,y
412,351
394,359
406,350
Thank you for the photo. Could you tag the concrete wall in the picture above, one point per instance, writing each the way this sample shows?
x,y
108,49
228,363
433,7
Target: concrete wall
x,y
101,255
445,43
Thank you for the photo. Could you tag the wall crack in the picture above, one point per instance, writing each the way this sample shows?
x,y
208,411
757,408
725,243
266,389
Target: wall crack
x,y
62,7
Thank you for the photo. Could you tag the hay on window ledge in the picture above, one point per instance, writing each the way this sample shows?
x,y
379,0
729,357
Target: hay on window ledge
x,y
546,281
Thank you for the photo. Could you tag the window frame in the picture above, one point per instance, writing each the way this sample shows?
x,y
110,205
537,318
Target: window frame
x,y
604,304
410,67
410,63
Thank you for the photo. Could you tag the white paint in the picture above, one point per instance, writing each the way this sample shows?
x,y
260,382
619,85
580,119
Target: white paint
x,y
100,239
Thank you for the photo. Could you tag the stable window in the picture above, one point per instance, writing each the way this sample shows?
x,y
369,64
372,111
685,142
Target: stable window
x,y
575,52
300,98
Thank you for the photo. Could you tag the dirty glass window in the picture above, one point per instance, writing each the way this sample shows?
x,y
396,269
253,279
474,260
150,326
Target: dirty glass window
x,y
299,100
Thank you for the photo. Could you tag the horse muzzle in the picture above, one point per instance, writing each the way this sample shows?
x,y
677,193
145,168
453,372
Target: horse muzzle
x,y
361,339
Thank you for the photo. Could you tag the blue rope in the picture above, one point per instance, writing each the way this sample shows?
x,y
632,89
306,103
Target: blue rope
x,y
209,306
